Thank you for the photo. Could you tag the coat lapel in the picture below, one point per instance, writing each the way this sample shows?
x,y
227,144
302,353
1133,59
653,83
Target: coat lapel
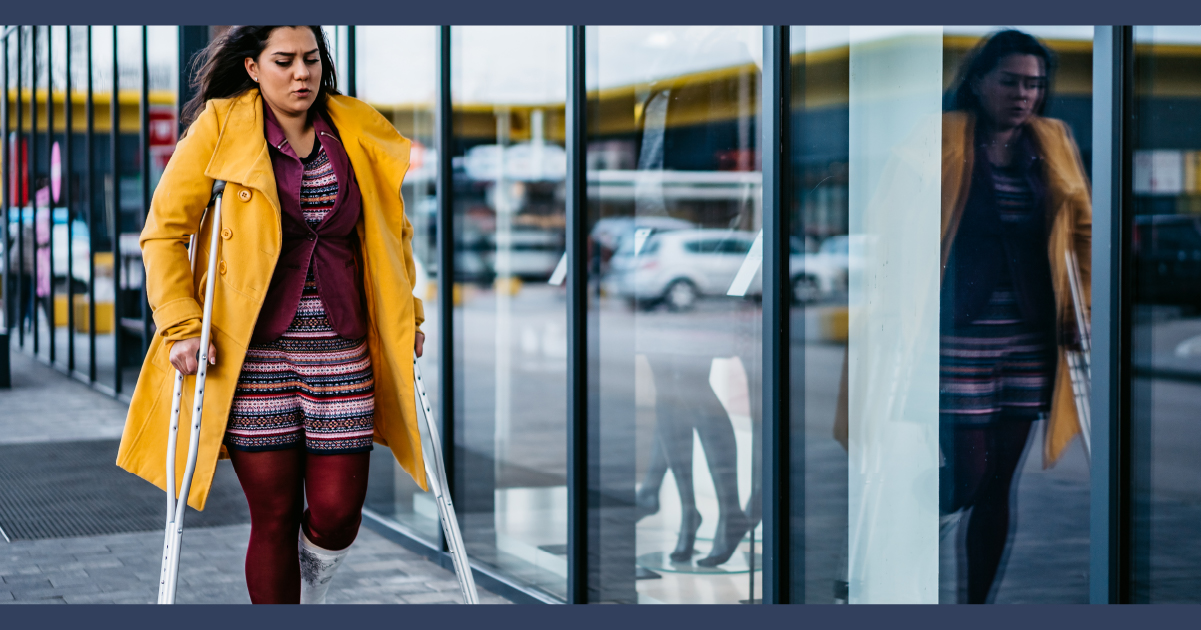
x,y
337,159
242,155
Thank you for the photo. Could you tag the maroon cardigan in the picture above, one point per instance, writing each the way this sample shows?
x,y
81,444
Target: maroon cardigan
x,y
330,247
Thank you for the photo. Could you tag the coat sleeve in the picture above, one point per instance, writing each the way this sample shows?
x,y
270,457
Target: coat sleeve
x,y
1082,219
175,213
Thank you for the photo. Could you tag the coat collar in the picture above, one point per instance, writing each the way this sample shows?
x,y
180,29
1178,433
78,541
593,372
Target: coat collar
x,y
242,155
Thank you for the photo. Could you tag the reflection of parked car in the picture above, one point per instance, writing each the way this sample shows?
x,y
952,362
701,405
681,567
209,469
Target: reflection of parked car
x,y
614,233
679,267
533,254
1167,255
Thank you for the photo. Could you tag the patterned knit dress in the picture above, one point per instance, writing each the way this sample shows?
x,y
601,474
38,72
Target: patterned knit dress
x,y
310,387
999,363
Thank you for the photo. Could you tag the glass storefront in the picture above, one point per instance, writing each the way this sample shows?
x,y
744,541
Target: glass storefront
x,y
395,72
1165,328
919,437
508,92
675,222
934,226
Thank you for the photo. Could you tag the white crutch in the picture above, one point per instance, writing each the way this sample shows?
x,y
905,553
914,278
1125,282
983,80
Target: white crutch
x,y
1080,361
173,536
435,471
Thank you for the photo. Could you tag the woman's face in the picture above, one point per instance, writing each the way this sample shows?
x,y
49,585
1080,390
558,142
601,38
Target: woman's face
x,y
289,70
1011,92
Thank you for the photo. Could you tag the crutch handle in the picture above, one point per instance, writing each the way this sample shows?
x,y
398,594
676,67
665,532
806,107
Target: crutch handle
x,y
218,188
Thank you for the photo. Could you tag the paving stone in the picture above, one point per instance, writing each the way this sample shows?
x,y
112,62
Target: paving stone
x,y
383,565
51,592
112,585
23,581
106,563
433,598
118,572
70,578
397,580
6,596
444,585
215,578
112,598
19,570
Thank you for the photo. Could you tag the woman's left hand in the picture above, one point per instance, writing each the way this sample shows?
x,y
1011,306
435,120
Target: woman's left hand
x,y
418,343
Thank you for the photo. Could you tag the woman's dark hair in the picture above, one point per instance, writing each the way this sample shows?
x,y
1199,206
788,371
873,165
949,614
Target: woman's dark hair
x,y
219,71
987,55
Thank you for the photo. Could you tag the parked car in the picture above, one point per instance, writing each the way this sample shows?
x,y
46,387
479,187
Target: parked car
x,y
1167,260
679,267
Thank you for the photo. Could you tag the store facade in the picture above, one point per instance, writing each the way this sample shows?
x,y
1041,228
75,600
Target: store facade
x,y
689,323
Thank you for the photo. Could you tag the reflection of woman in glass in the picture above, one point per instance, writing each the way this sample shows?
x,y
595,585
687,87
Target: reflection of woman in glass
x,y
1015,200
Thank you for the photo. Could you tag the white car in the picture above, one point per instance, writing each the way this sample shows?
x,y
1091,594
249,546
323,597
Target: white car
x,y
679,267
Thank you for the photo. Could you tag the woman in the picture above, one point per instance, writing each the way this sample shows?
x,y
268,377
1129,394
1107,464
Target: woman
x,y
1015,200
314,319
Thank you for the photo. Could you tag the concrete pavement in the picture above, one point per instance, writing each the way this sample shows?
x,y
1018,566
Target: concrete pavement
x,y
45,406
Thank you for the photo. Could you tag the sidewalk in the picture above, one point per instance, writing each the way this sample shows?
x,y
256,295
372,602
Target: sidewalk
x,y
46,407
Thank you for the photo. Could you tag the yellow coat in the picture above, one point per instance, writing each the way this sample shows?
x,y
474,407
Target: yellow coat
x,y
1070,207
226,142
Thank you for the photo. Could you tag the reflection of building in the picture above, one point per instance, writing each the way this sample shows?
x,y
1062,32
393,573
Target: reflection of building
x,y
662,151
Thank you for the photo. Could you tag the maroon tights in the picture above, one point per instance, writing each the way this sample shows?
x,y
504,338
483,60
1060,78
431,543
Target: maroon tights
x,y
276,484
981,469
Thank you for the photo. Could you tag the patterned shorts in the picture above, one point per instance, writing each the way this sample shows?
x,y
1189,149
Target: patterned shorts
x,y
996,364
309,386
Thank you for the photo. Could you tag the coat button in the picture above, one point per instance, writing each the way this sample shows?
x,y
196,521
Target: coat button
x,y
221,267
244,195
312,237
227,233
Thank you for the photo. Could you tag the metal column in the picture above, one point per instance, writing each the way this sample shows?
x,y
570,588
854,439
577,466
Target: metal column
x,y
6,289
19,194
776,306
69,200
144,155
115,216
446,281
31,171
352,87
49,190
192,40
1110,497
90,204
577,306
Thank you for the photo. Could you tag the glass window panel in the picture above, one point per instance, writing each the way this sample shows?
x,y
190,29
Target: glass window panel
x,y
13,186
43,272
673,157
1166,324
935,442
508,93
396,71
57,180
71,238
131,213
101,199
81,233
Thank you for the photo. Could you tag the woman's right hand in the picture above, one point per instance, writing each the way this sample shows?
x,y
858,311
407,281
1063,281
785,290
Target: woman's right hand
x,y
184,355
